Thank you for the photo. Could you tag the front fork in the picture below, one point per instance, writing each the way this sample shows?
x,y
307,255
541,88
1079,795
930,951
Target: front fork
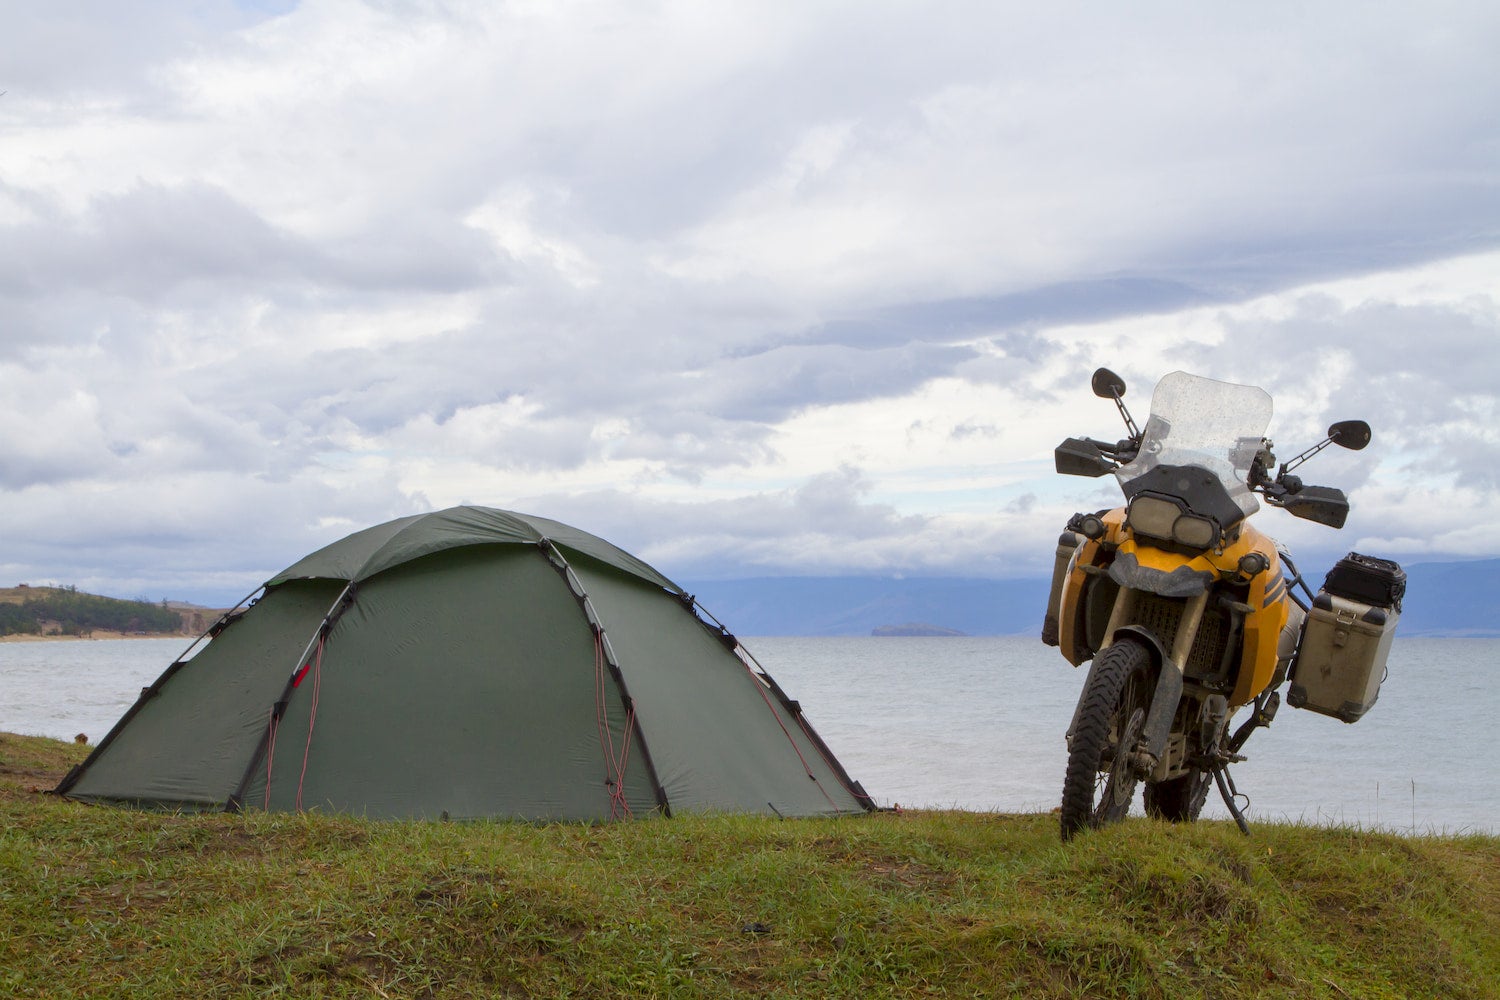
x,y
1158,729
1152,745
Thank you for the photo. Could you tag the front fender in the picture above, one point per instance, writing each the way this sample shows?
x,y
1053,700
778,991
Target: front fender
x,y
1145,637
1158,727
1168,684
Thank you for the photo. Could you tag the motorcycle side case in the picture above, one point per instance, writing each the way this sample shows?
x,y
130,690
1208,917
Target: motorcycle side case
x,y
1342,658
1067,546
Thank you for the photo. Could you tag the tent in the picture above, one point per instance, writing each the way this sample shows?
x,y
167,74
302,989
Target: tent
x,y
468,663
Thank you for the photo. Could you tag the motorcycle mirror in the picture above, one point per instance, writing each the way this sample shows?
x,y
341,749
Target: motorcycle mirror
x,y
1108,385
1321,504
1077,457
1351,434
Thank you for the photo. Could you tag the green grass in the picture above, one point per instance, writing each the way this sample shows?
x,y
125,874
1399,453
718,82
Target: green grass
x,y
100,902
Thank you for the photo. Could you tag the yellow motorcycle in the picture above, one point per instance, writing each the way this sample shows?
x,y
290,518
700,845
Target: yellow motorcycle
x,y
1189,614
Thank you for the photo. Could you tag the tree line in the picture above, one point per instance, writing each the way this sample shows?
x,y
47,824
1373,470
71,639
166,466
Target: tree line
x,y
67,612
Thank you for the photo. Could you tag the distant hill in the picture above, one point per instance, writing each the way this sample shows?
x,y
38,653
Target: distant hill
x,y
1452,599
64,611
857,605
1443,599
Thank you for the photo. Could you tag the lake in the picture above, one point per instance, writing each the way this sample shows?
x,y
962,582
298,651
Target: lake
x,y
978,723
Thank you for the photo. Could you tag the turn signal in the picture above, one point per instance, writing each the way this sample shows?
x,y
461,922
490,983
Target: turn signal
x,y
1092,526
1252,564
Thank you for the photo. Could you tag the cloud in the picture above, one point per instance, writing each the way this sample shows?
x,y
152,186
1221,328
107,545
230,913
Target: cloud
x,y
770,289
824,525
97,50
191,242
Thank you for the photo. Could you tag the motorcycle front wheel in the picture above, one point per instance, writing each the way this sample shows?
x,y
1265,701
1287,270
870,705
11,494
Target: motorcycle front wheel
x,y
1100,781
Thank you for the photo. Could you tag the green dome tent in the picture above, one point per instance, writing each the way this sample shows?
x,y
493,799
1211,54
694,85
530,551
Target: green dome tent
x,y
468,663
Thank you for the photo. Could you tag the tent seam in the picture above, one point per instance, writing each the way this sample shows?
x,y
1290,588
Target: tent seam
x,y
605,655
336,610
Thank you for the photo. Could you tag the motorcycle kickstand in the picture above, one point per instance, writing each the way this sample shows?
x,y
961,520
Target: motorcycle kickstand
x,y
1260,718
1229,793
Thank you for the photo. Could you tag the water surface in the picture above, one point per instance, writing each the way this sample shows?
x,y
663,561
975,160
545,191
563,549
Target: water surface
x,y
977,723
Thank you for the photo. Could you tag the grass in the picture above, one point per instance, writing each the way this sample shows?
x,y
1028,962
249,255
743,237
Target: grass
x,y
97,902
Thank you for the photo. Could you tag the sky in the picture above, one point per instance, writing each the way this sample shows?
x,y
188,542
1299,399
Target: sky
x,y
749,289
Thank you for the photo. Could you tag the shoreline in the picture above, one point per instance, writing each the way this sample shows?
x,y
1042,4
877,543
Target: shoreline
x,y
98,634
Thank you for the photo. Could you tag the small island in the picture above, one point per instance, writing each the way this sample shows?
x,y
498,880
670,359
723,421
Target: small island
x,y
915,628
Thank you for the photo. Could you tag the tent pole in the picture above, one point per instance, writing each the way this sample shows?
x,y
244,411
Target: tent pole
x,y
222,622
149,692
575,587
236,801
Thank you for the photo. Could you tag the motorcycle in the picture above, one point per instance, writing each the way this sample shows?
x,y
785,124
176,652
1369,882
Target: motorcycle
x,y
1187,614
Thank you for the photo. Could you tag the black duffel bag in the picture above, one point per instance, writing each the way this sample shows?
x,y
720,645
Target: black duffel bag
x,y
1378,582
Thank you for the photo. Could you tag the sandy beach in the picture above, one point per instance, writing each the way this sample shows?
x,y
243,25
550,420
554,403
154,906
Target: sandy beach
x,y
98,634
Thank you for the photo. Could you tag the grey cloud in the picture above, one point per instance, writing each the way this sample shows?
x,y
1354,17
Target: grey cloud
x,y
1422,375
718,415
414,253
773,384
825,518
209,536
152,240
970,429
192,242
826,525
1023,504
97,47
649,151
139,427
1064,302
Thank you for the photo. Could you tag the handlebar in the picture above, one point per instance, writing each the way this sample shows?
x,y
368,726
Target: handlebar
x,y
1120,451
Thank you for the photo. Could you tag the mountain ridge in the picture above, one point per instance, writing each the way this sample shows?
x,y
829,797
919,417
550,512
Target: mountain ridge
x,y
1444,599
1448,599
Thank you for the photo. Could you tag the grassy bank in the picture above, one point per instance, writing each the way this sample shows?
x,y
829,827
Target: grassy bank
x,y
105,903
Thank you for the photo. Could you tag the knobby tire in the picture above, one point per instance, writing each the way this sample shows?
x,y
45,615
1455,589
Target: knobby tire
x,y
1095,791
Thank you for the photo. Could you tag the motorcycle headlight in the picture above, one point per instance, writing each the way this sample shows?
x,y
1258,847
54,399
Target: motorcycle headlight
x,y
1160,518
1152,516
1198,532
